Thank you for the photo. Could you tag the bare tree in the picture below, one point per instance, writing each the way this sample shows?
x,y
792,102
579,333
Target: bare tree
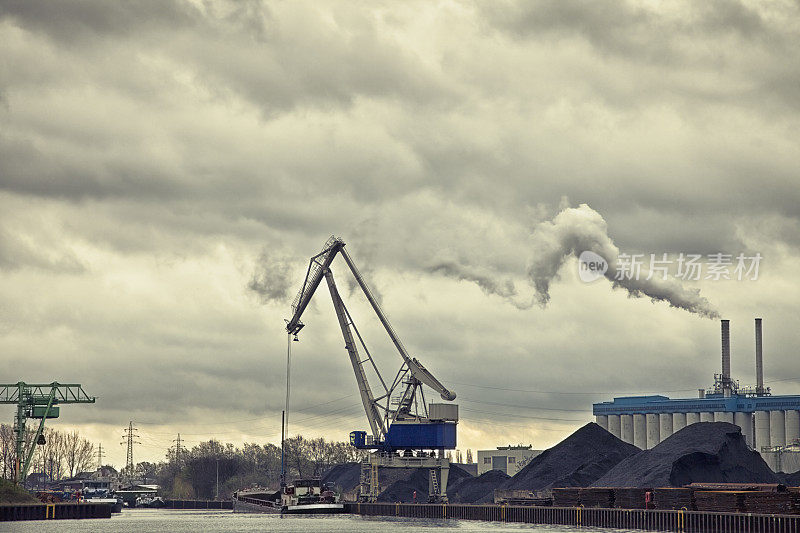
x,y
7,448
51,454
79,453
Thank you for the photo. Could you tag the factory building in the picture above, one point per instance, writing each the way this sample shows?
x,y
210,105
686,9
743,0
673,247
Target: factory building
x,y
508,459
769,423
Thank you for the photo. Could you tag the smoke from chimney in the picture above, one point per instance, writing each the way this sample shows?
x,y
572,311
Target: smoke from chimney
x,y
575,230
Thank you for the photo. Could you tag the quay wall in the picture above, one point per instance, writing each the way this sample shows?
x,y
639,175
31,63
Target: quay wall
x,y
644,519
53,511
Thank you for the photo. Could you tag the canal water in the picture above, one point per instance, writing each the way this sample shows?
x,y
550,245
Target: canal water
x,y
167,521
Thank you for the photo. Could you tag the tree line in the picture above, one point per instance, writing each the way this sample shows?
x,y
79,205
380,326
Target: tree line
x,y
64,454
208,470
192,473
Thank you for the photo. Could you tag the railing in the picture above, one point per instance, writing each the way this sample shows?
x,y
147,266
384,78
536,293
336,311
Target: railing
x,y
649,520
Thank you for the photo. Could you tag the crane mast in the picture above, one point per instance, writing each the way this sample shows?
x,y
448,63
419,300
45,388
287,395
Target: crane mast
x,y
398,417
364,389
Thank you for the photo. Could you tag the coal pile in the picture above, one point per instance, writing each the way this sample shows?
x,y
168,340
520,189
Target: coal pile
x,y
713,452
408,480
344,477
630,497
673,498
791,480
473,489
577,461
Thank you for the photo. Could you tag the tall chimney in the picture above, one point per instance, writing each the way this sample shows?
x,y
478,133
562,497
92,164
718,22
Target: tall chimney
x,y
726,356
759,359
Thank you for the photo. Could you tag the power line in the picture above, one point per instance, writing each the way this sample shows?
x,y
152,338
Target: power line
x,y
523,416
524,406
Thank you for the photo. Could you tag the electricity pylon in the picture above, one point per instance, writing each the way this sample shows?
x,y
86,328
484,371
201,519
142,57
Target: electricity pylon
x,y
129,436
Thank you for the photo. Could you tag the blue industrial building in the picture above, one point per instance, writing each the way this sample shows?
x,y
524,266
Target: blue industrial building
x,y
768,422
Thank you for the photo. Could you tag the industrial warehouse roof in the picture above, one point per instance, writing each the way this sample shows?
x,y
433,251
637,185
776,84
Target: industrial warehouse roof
x,y
629,405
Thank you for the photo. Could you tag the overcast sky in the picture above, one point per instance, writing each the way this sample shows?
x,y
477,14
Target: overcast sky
x,y
167,168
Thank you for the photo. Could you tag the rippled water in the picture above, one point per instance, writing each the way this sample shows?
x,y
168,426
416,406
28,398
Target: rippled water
x,y
159,520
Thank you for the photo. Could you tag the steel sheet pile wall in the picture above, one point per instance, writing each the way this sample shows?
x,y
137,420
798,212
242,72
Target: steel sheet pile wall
x,y
198,504
50,511
652,520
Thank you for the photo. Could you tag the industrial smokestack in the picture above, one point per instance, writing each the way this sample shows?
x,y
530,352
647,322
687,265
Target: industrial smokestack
x,y
759,360
726,356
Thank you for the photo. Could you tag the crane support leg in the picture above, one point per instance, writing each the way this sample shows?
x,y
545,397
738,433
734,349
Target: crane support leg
x,y
437,485
364,389
32,449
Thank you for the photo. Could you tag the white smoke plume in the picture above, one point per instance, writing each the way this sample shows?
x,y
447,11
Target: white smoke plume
x,y
487,281
575,230
272,278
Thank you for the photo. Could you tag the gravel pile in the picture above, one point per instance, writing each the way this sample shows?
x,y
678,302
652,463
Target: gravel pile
x,y
473,489
703,452
400,483
790,480
408,480
344,477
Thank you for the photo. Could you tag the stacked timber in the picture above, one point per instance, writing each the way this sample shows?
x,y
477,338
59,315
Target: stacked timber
x,y
673,498
539,498
721,501
566,497
771,502
530,502
504,496
763,487
597,497
631,497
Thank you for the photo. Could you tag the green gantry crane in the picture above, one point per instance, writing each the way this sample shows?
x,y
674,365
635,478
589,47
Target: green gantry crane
x,y
39,401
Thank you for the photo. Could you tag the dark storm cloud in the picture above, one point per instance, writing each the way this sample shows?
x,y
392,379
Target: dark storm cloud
x,y
696,37
612,27
28,170
630,28
276,61
82,21
150,152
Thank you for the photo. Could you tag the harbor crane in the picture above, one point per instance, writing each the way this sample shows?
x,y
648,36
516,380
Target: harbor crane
x,y
37,401
405,431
